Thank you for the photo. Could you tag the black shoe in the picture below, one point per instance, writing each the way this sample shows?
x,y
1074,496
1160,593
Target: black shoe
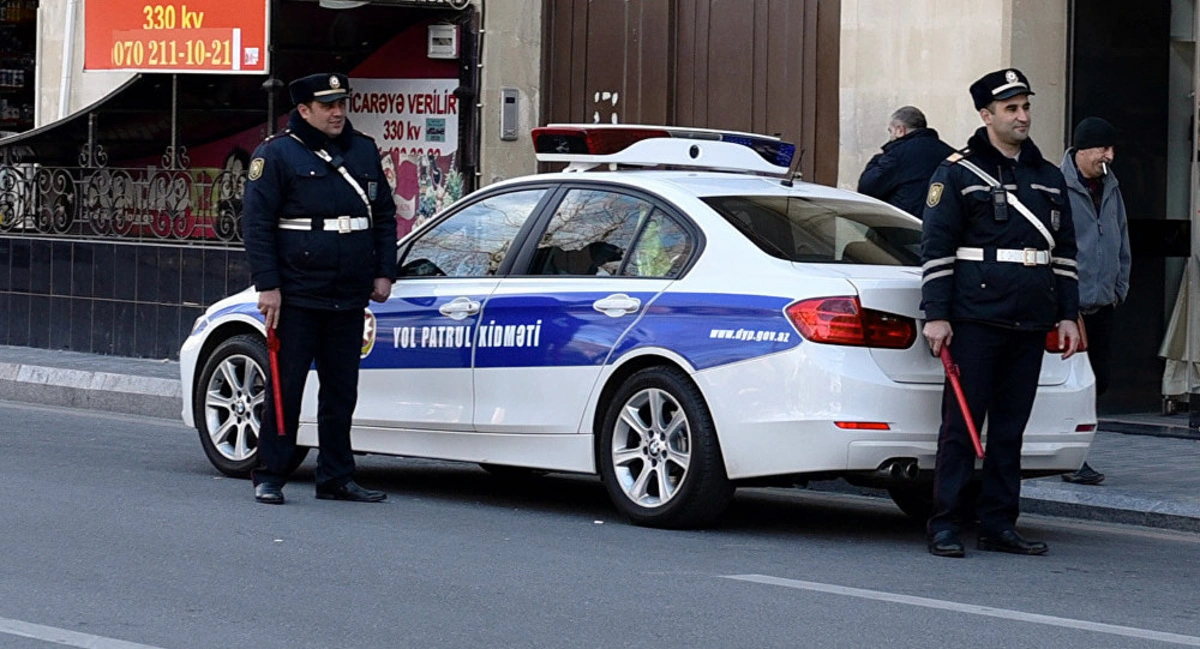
x,y
946,544
268,493
349,491
1085,475
1011,542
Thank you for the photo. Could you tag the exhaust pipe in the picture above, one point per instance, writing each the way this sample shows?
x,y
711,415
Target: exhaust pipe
x,y
900,470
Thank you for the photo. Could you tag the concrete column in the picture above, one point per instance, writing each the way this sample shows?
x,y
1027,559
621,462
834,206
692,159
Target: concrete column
x,y
512,58
926,53
85,87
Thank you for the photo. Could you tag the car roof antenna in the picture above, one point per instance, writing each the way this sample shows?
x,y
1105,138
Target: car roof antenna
x,y
789,181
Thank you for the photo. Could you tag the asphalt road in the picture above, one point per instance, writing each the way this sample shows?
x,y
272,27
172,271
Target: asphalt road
x,y
115,533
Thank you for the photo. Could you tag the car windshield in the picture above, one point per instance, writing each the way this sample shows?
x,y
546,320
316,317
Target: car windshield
x,y
823,230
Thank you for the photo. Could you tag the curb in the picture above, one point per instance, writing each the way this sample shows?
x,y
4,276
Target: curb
x,y
1067,501
123,393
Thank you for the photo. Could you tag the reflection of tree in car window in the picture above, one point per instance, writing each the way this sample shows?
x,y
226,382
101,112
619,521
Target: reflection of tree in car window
x,y
589,233
474,241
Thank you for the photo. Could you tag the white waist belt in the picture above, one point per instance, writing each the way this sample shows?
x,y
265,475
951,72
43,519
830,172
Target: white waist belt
x,y
341,224
1026,256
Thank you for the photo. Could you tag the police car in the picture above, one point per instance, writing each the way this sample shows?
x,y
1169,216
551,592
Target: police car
x,y
671,312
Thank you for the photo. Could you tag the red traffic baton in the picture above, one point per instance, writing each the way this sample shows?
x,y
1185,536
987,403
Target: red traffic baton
x,y
273,352
952,374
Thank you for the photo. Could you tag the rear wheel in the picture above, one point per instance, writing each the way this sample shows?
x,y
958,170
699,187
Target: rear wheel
x,y
658,452
914,500
228,405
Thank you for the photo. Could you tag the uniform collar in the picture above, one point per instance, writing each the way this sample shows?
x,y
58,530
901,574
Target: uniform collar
x,y
982,146
314,139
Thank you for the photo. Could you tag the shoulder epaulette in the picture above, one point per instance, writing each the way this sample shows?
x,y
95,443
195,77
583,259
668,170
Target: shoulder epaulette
x,y
956,156
284,132
358,132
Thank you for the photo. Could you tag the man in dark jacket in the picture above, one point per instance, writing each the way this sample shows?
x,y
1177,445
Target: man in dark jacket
x,y
998,265
900,174
320,232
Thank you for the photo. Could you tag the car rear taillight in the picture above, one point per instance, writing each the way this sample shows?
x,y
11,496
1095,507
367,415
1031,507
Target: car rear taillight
x,y
1052,340
843,321
1085,428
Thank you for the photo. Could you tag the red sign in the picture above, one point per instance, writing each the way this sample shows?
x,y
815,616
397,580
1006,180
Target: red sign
x,y
187,36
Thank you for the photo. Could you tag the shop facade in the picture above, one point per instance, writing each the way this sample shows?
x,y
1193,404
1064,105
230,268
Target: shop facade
x,y
823,73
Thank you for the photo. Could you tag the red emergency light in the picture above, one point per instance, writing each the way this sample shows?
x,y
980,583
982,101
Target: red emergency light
x,y
590,141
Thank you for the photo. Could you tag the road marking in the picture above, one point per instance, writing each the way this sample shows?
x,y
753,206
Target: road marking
x,y
987,611
65,637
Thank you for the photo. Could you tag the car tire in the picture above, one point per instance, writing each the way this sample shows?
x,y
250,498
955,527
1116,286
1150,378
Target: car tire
x,y
658,452
916,500
228,405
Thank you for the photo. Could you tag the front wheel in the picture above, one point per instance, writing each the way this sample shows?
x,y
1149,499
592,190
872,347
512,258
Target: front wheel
x,y
228,405
658,452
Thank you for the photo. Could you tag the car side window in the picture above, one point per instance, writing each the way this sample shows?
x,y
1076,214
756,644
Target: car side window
x,y
589,234
474,240
662,249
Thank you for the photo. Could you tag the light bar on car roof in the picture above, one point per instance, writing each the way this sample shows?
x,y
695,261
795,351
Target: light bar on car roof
x,y
588,145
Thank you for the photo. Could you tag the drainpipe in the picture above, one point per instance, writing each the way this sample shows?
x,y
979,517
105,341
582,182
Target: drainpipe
x,y
68,59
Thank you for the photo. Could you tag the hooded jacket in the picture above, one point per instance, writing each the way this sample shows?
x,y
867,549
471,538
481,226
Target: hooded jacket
x,y
1102,239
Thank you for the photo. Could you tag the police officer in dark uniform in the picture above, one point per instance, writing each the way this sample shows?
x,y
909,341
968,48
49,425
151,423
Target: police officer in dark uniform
x,y
998,254
320,232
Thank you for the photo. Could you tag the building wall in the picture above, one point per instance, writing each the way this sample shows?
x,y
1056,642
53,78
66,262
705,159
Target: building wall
x,y
85,87
927,53
512,58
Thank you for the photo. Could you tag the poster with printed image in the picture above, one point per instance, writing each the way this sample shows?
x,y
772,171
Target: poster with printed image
x,y
415,125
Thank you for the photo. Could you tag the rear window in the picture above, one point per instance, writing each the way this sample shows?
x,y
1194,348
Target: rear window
x,y
823,230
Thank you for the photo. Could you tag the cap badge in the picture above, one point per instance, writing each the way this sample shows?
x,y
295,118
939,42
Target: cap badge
x,y
1010,76
335,84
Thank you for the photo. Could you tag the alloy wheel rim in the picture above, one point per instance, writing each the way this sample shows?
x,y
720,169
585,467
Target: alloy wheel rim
x,y
651,448
233,404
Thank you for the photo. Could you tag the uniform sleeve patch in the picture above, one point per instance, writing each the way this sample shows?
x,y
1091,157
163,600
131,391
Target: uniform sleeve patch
x,y
935,195
256,168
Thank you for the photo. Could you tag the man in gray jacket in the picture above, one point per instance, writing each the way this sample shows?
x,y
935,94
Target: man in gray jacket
x,y
1102,240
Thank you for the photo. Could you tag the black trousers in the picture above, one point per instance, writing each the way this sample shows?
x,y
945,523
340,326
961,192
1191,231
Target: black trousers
x,y
332,340
1099,333
999,375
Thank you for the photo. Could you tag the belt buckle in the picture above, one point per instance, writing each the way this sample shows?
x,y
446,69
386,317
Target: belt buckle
x,y
343,224
1029,256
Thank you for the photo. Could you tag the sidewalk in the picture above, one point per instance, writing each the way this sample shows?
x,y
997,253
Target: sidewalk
x,y
1152,461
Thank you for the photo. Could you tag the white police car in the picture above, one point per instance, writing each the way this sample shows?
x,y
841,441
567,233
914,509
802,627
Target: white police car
x,y
670,312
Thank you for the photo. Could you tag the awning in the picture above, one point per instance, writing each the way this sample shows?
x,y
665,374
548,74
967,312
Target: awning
x,y
134,121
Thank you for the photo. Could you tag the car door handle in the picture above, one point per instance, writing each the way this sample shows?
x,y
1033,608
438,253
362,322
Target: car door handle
x,y
459,308
617,305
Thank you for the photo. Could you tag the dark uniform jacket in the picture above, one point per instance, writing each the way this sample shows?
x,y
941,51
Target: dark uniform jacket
x,y
900,174
317,269
959,213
